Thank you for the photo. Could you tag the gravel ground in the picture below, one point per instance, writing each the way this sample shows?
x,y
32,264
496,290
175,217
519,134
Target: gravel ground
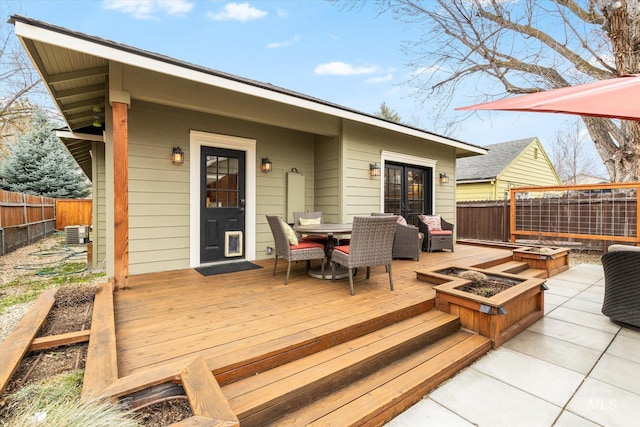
x,y
23,262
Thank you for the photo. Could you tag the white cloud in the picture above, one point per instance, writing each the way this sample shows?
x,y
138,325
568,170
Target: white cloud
x,y
237,12
148,9
287,43
380,79
342,69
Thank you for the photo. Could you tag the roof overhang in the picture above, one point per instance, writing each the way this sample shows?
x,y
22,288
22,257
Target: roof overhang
x,y
476,181
79,146
74,68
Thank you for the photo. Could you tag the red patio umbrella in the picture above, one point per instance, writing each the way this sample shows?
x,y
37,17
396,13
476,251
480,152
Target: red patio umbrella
x,y
617,98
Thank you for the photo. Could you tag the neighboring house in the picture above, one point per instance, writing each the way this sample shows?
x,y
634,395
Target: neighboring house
x,y
153,215
520,163
586,179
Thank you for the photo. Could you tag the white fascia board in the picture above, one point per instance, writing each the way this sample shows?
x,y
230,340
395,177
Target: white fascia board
x,y
133,59
474,181
80,136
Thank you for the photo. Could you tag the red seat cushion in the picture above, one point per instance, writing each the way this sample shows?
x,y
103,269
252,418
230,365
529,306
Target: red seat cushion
x,y
440,232
307,245
342,248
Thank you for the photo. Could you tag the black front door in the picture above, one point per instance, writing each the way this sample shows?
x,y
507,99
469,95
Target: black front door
x,y
407,190
222,204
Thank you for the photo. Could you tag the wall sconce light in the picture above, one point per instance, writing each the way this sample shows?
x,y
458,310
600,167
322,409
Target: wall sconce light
x,y
374,169
177,157
444,178
267,165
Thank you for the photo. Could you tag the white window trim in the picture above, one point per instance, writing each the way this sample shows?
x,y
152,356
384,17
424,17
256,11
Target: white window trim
x,y
198,139
390,156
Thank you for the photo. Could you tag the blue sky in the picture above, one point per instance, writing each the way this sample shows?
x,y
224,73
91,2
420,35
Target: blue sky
x,y
349,57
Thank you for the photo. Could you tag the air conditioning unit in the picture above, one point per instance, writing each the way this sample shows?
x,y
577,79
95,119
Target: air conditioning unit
x,y
76,234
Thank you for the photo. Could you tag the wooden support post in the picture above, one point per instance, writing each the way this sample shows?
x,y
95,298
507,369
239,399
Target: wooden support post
x,y
120,195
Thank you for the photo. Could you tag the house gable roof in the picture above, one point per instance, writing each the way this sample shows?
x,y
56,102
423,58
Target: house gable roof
x,y
78,83
489,166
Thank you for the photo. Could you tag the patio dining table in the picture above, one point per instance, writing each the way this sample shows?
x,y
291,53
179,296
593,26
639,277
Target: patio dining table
x,y
329,230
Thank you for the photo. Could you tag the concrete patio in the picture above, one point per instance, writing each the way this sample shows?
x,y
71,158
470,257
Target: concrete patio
x,y
574,367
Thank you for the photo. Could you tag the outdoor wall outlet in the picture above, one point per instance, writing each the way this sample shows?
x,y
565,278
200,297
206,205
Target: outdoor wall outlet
x,y
269,250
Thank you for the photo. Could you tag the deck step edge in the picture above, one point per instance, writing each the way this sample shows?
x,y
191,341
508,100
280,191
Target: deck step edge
x,y
258,399
378,398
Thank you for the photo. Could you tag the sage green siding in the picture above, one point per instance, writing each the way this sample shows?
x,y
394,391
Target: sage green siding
x,y
99,207
363,145
327,178
159,191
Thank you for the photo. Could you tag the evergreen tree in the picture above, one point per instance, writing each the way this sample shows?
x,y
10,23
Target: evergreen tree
x,y
38,164
388,113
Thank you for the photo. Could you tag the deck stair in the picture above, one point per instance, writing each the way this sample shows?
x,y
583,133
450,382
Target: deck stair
x,y
520,268
366,380
494,262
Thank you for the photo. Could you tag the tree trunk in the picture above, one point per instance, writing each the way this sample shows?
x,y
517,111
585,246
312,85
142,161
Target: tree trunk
x,y
619,147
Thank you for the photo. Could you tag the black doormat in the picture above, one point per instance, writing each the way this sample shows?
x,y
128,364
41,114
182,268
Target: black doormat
x,y
230,267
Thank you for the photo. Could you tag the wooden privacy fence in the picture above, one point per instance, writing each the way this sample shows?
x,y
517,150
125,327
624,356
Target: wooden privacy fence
x,y
72,212
24,219
483,220
579,213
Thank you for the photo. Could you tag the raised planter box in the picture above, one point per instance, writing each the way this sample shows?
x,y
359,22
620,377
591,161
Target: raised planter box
x,y
552,260
499,317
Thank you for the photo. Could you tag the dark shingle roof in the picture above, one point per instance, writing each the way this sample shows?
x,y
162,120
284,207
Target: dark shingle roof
x,y
492,163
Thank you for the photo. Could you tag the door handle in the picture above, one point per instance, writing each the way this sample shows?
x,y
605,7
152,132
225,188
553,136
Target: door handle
x,y
242,204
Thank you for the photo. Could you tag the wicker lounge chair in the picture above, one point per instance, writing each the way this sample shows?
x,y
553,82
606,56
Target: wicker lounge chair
x,y
436,238
621,266
407,242
303,251
371,244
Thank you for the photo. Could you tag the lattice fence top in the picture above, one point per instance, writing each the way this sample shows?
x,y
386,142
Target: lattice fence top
x,y
602,212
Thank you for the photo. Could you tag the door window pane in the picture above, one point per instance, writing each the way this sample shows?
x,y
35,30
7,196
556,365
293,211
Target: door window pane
x,y
392,189
222,182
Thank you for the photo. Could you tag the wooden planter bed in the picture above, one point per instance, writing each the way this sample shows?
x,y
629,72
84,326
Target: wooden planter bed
x,y
552,260
499,317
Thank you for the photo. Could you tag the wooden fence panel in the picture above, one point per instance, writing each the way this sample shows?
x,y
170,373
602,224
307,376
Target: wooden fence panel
x,y
73,212
483,220
24,219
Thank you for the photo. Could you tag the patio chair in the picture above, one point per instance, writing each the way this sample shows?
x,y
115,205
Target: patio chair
x,y
621,266
407,241
309,218
289,248
371,244
438,233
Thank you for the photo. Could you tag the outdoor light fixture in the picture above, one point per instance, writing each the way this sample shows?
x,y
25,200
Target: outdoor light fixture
x,y
374,169
97,123
267,165
444,178
484,308
177,157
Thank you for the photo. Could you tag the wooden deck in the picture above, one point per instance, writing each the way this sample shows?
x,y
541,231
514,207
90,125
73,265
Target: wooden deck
x,y
241,324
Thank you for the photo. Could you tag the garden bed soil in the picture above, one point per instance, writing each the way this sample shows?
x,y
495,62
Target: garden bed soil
x,y
74,314
71,312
